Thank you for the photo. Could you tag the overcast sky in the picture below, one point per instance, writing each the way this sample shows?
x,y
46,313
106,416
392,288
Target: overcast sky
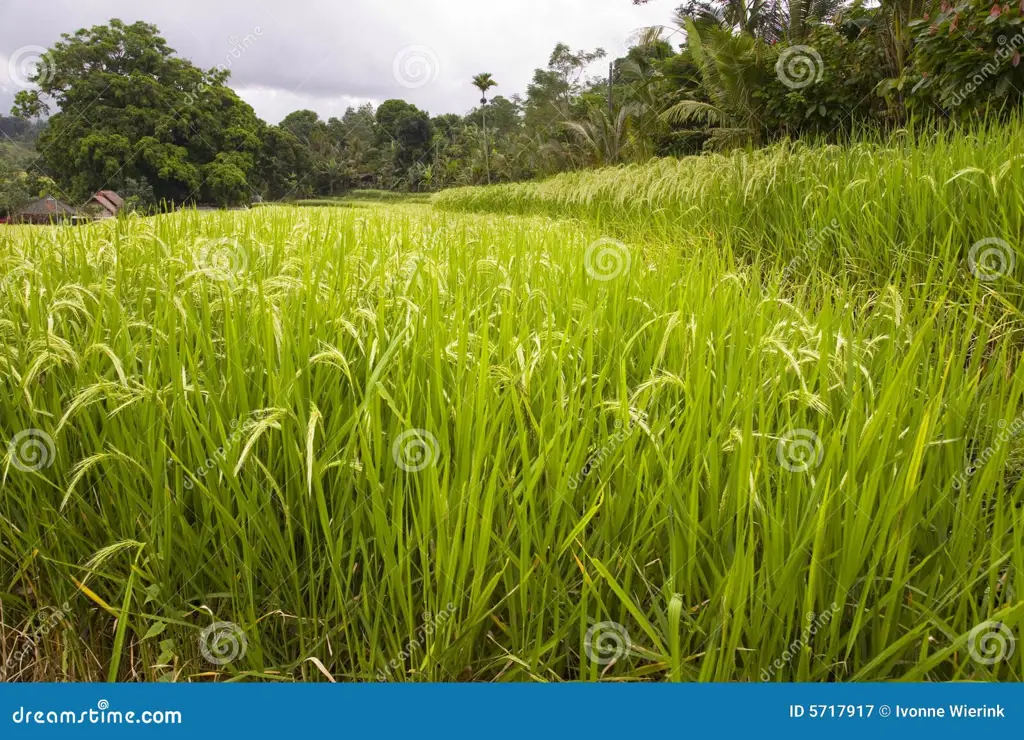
x,y
325,55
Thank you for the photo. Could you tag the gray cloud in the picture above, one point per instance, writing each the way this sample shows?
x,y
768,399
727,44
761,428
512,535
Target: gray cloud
x,y
327,55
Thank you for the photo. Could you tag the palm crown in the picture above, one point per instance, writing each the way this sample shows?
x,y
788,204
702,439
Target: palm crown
x,y
484,82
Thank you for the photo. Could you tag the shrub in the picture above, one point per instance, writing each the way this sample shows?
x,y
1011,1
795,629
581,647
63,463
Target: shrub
x,y
847,70
967,58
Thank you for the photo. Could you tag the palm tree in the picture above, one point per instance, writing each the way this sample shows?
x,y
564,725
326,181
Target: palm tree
x,y
896,35
769,20
799,16
603,135
726,62
645,102
484,82
754,17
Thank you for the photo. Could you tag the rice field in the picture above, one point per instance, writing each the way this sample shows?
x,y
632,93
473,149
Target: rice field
x,y
753,417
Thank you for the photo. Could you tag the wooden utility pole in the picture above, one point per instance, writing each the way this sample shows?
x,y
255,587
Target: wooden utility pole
x,y
487,147
611,100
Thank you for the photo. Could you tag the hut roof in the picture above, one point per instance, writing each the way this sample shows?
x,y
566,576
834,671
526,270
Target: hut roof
x,y
110,201
48,206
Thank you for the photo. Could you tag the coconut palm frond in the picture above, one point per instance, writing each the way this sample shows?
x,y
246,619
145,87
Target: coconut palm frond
x,y
602,135
725,62
484,82
649,36
729,138
687,111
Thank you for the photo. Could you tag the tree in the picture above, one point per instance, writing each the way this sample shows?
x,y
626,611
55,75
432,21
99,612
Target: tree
x,y
282,165
407,132
967,61
138,195
759,18
504,116
19,181
800,16
18,129
730,76
769,20
306,126
550,96
363,158
225,179
602,135
14,191
151,115
484,82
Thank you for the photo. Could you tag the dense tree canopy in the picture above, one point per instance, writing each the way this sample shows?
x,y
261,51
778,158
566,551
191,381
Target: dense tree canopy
x,y
721,73
129,108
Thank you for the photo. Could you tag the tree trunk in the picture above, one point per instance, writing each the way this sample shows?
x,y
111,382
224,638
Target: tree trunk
x,y
487,154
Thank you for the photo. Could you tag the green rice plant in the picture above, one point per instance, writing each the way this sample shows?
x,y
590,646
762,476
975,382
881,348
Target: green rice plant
x,y
364,197
896,205
409,444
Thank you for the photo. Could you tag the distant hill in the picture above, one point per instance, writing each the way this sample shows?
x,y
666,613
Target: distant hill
x,y
19,130
18,153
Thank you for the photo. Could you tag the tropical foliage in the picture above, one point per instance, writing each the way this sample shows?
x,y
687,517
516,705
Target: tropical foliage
x,y
968,58
721,74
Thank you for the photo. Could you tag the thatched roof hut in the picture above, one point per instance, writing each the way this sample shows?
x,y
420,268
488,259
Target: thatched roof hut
x,y
45,211
104,204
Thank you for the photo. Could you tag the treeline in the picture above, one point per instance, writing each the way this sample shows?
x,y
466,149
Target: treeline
x,y
20,177
719,75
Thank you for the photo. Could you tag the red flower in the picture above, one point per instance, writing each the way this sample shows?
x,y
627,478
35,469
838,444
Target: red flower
x,y
996,11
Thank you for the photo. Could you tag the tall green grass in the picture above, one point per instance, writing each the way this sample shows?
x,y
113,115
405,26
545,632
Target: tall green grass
x,y
402,444
367,197
900,203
